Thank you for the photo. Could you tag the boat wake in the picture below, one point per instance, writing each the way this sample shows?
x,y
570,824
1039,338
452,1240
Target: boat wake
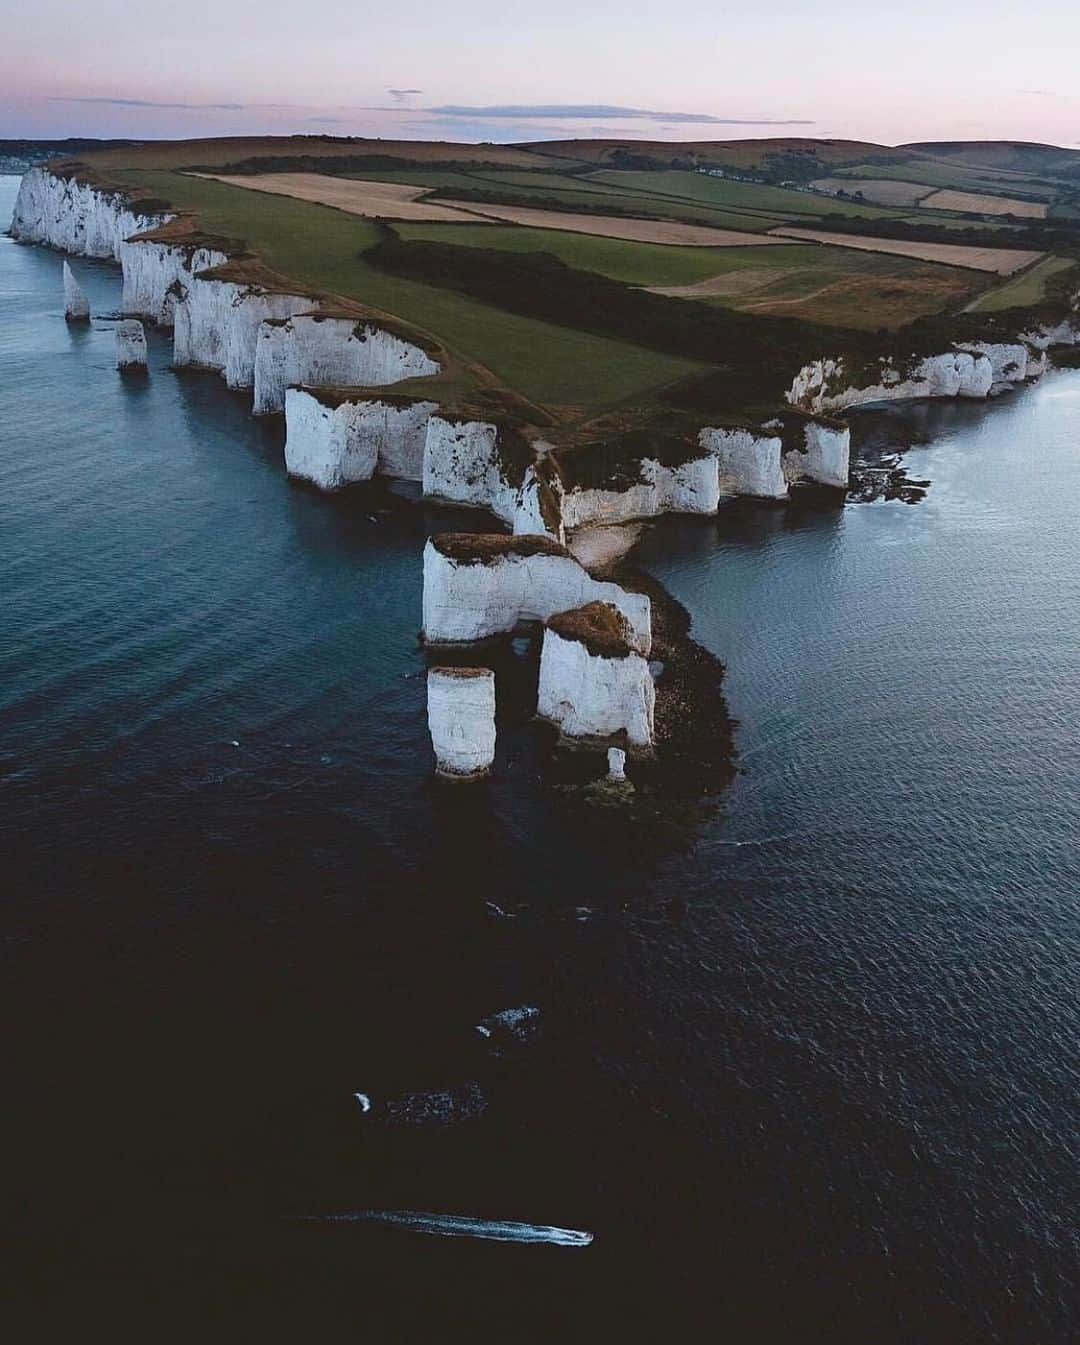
x,y
462,1226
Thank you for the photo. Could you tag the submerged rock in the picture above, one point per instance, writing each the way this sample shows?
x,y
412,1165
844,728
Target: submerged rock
x,y
76,304
130,345
520,1024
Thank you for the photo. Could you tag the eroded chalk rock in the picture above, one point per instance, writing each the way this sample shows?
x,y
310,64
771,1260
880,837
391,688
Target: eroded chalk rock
x,y
157,275
334,441
76,304
748,463
594,685
689,487
464,462
828,384
823,457
461,720
70,215
130,345
478,585
217,324
322,351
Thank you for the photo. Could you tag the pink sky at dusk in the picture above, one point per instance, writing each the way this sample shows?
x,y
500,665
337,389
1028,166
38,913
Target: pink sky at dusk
x,y
782,67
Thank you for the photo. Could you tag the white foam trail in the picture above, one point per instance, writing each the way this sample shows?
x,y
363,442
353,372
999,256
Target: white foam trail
x,y
463,1226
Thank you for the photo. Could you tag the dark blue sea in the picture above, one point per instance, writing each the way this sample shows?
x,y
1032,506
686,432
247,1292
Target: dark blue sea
x,y
806,1063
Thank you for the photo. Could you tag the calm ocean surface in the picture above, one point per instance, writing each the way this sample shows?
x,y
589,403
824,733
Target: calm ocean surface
x,y
808,1068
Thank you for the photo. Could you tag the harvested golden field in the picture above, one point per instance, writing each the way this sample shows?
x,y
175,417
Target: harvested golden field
x,y
373,200
947,199
881,191
836,286
867,302
1000,261
607,226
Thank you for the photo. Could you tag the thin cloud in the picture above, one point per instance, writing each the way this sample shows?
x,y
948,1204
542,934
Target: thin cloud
x,y
399,95
153,102
594,110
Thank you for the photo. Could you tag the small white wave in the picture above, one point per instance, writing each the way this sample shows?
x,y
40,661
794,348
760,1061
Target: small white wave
x,y
463,1226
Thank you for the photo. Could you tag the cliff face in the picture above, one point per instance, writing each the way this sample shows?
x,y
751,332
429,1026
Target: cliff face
x,y
747,463
469,599
690,487
314,351
157,276
216,325
824,385
461,720
824,458
593,696
462,463
335,445
76,218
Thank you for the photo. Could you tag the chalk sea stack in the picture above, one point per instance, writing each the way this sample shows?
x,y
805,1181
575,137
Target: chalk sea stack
x,y
130,345
594,685
461,720
76,304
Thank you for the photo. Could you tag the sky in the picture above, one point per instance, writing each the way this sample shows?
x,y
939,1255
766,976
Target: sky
x,y
493,70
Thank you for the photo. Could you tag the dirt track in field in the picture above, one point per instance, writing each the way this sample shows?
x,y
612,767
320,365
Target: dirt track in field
x,y
373,200
1000,261
607,226
947,199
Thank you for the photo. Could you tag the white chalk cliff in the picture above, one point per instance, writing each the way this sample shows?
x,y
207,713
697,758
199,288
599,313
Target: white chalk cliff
x,y
594,691
747,463
334,443
313,350
824,457
76,304
157,275
74,217
462,463
824,385
461,720
690,487
477,586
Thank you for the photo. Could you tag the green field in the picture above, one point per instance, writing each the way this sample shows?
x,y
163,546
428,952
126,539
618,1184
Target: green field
x,y
949,175
721,192
634,263
320,247
1023,290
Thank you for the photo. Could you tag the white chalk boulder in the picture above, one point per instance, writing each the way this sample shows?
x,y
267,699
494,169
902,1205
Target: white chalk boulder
x,y
461,720
76,304
130,345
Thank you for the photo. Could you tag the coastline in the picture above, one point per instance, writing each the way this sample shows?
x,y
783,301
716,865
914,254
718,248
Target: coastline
x,y
234,317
